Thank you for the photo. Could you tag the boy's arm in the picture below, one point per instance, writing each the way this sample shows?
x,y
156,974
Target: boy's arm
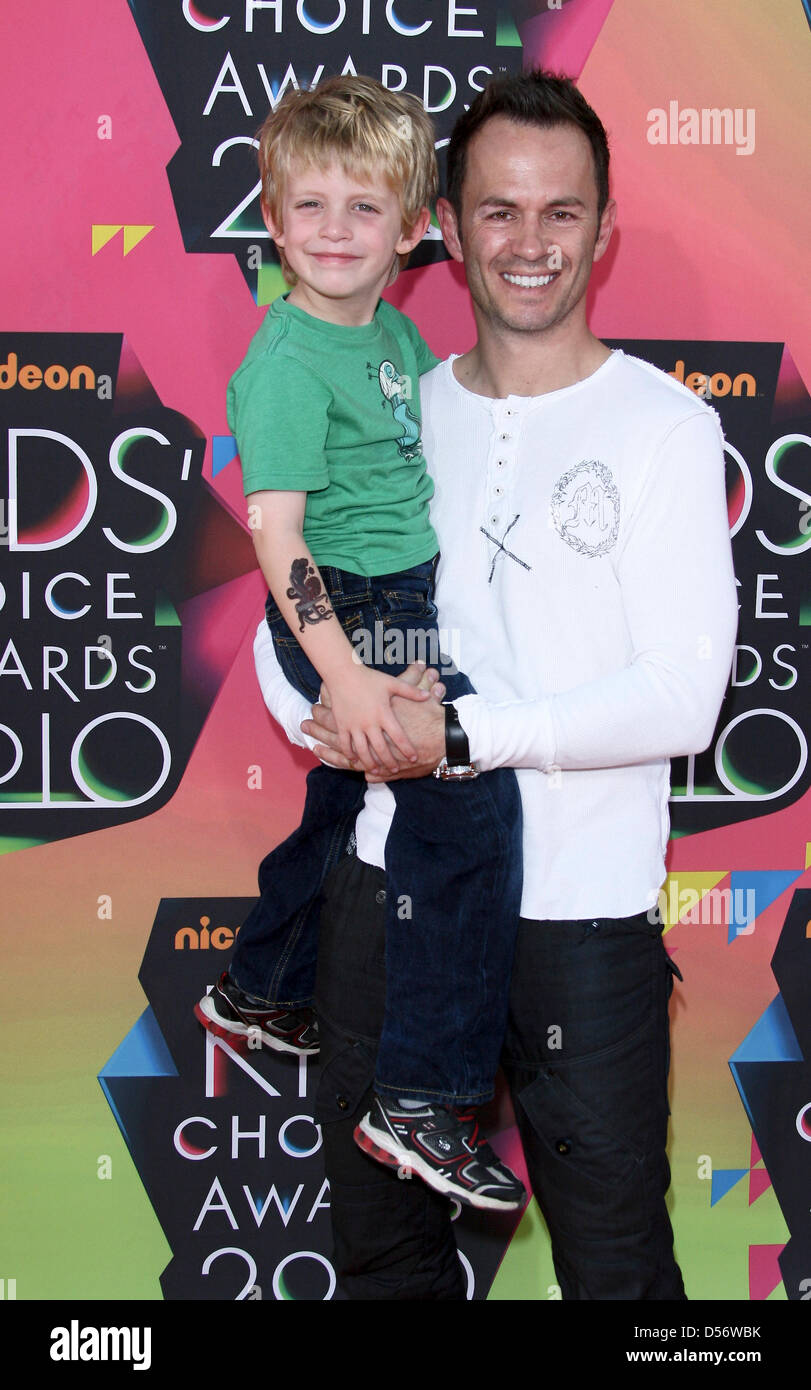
x,y
361,699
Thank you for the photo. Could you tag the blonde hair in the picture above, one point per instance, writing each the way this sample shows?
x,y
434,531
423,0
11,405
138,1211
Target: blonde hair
x,y
366,128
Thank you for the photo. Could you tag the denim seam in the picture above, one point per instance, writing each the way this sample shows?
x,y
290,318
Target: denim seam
x,y
334,853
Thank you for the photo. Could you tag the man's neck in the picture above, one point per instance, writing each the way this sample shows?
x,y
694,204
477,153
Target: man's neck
x,y
527,364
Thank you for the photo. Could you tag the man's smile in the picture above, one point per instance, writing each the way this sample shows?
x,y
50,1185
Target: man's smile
x,y
526,282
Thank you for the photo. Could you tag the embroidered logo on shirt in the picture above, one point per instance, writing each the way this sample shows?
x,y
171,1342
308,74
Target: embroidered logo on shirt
x,y
585,508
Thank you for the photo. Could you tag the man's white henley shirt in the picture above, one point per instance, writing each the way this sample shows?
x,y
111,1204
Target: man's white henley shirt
x,y
586,587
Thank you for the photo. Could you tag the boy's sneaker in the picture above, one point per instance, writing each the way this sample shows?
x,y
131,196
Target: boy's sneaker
x,y
445,1149
231,1014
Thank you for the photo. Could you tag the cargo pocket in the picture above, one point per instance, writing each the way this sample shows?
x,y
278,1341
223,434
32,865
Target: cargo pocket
x,y
592,1180
344,1082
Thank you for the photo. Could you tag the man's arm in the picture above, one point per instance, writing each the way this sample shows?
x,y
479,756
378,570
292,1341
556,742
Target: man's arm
x,y
287,706
678,592
675,574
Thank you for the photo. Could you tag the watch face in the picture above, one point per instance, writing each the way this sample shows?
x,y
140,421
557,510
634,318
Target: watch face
x,y
455,772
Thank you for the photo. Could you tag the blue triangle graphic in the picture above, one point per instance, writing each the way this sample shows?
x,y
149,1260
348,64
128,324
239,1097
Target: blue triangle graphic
x,y
771,1039
223,450
723,1179
751,892
115,1110
142,1053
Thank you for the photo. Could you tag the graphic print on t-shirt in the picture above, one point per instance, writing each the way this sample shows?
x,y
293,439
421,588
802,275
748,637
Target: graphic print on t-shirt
x,y
585,508
395,388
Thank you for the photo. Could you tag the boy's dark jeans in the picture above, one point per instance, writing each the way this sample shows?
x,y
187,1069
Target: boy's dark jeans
x,y
453,872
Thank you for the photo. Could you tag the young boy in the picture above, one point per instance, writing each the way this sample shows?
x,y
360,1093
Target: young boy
x,y
325,410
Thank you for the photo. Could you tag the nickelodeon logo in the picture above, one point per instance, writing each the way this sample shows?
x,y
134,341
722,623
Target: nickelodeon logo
x,y
719,384
220,938
55,377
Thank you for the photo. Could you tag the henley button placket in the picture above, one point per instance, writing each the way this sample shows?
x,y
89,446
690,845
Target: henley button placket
x,y
504,437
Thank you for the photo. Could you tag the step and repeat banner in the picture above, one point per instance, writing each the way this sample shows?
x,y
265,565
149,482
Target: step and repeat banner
x,y
141,779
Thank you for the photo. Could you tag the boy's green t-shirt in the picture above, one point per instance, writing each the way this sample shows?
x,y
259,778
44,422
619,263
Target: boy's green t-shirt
x,y
334,411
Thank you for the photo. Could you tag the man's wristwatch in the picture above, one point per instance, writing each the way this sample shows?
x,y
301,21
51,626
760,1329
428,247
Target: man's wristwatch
x,y
456,765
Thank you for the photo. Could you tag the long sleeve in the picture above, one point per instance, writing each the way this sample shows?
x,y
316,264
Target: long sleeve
x,y
285,704
677,587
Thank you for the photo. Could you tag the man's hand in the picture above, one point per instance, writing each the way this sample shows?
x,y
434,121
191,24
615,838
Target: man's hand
x,y
424,724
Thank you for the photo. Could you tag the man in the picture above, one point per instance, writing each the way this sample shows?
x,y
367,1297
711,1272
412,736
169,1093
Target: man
x,y
586,563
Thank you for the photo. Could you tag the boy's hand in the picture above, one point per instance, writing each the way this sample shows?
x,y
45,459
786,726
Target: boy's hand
x,y
369,734
428,729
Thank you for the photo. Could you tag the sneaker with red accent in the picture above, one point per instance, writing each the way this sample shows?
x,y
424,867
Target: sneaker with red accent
x,y
238,1017
443,1147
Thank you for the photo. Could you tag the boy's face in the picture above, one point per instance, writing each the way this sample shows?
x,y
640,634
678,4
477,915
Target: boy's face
x,y
340,233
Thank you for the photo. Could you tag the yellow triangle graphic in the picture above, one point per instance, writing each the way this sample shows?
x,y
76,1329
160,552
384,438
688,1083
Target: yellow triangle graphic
x,y
102,232
134,234
808,855
680,898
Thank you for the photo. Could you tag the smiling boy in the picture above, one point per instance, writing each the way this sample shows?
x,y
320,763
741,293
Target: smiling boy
x,y
325,410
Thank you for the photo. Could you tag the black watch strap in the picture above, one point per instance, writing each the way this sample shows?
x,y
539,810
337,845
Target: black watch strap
x,y
457,748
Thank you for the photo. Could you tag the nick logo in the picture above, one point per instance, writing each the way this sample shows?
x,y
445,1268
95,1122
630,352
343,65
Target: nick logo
x,y
709,385
55,377
220,938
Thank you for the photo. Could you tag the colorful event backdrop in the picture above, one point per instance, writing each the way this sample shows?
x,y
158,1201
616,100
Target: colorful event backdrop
x,y
141,779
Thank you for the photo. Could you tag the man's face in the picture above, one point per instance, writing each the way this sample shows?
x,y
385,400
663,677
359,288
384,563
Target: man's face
x,y
529,232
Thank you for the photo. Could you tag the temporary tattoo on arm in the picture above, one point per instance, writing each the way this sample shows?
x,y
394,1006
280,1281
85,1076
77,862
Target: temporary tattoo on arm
x,y
305,585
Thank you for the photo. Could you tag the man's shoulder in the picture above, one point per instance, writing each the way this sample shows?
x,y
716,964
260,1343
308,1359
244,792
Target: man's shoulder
x,y
657,393
438,381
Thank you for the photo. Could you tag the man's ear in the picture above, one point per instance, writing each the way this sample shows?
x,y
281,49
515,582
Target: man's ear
x,y
606,227
414,235
275,228
450,228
